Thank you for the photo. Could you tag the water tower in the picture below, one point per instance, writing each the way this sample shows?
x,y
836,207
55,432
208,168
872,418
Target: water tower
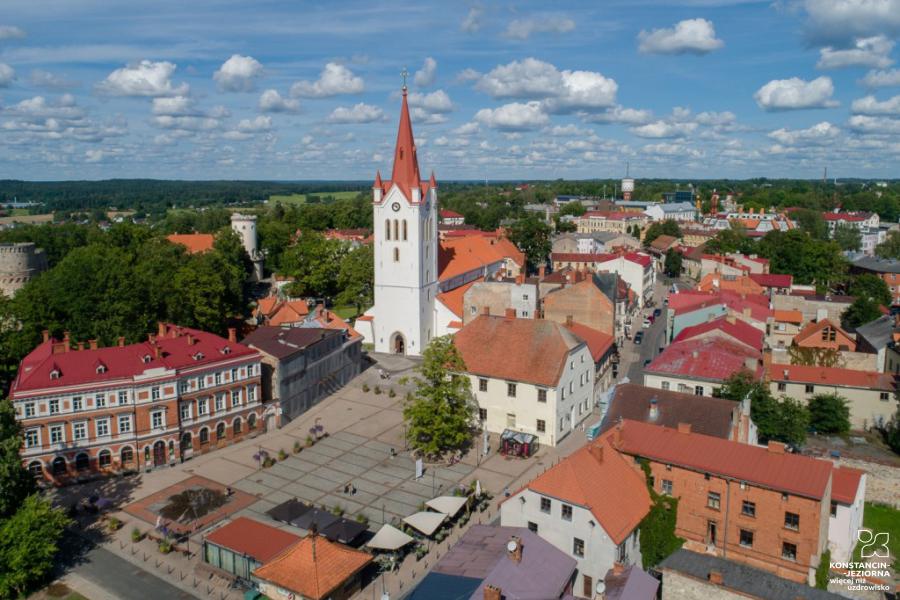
x,y
627,185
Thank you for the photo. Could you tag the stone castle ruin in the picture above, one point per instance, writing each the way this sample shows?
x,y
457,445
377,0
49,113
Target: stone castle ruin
x,y
18,264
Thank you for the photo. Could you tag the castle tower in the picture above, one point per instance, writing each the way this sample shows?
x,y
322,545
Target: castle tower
x,y
19,263
245,226
405,222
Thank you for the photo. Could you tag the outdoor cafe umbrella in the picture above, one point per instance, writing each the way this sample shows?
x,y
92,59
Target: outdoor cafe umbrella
x,y
389,538
478,488
426,521
447,504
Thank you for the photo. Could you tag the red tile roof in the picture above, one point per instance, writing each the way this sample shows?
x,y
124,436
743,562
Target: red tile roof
x,y
613,215
637,257
598,342
287,312
313,567
453,299
460,255
123,362
708,359
601,480
713,282
789,316
405,174
812,332
832,376
735,328
449,214
854,217
771,280
246,536
845,484
534,350
194,242
784,472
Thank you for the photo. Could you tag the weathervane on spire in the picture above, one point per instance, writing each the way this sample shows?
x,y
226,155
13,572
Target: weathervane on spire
x,y
404,74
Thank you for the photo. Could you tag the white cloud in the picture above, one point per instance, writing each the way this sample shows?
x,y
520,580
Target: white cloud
x,y
422,116
38,119
715,119
238,73
260,123
620,114
334,80
272,101
472,22
821,133
664,129
8,32
872,52
564,91
795,93
174,106
875,79
470,128
875,125
187,123
47,80
146,78
846,20
435,102
7,75
871,106
521,29
468,75
360,113
425,76
568,130
691,36
38,107
679,150
514,117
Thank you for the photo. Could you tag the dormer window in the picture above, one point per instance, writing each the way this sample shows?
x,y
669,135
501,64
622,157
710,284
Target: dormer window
x,y
146,359
101,369
54,374
226,350
198,356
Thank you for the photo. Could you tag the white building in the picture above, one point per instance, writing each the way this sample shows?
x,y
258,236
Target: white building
x,y
848,496
675,211
528,375
245,226
589,505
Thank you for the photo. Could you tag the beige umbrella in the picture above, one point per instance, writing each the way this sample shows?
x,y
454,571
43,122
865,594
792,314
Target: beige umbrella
x,y
426,521
447,504
389,538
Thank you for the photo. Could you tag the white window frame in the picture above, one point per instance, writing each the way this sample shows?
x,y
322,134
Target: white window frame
x,y
122,397
53,406
158,415
62,434
83,428
106,424
154,393
124,419
28,410
100,401
77,404
202,406
36,432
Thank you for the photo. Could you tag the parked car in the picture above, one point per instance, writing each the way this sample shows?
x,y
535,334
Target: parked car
x,y
657,313
638,337
646,323
648,361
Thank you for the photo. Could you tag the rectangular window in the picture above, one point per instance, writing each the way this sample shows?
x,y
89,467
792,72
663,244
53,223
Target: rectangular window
x,y
810,388
884,396
251,394
185,411
782,386
31,438
542,395
154,394
202,406
201,383
124,423
833,508
218,378
234,375
620,553
698,390
788,551
54,407
567,512
482,384
235,398
545,505
157,420
664,385
746,538
541,426
571,387
102,426
56,434
482,414
667,487
100,401
713,500
748,509
578,547
532,527
29,410
123,397
77,403
220,402
184,386
511,390
79,431
792,521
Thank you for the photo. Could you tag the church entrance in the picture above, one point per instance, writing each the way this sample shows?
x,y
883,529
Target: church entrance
x,y
398,346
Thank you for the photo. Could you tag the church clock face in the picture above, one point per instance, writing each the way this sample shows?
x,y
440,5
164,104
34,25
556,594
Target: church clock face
x,y
396,206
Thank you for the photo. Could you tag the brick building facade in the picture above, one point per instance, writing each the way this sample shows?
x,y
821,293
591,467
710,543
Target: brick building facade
x,y
88,409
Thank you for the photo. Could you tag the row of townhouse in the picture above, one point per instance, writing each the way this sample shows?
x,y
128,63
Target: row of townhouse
x,y
88,409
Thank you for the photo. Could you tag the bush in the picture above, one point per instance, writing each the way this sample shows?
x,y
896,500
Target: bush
x,y
377,390
829,413
392,393
361,518
113,524
365,387
136,535
309,441
165,546
282,454
268,462
657,529
822,572
297,447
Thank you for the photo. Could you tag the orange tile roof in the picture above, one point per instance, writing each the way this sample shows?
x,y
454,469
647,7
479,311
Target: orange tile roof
x,y
463,254
266,305
601,480
194,242
832,376
781,471
845,484
534,350
717,281
812,333
329,320
789,316
253,538
598,342
291,311
313,567
453,299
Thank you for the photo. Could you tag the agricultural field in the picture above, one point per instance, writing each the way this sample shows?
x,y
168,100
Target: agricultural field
x,y
301,198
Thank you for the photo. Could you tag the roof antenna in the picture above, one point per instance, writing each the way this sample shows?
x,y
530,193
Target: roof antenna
x,y
404,74
627,167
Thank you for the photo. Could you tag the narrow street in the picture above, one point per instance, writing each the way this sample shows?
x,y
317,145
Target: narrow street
x,y
633,356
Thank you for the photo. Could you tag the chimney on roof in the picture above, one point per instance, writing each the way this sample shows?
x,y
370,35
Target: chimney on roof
x,y
46,335
684,428
786,374
514,549
542,270
569,321
746,311
157,351
776,447
510,313
121,341
232,335
654,409
715,577
492,593
80,346
92,344
161,329
695,354
618,568
596,451
66,341
191,340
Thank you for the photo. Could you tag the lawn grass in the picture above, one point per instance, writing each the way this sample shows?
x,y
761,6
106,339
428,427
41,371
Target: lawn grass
x,y
301,198
345,312
882,518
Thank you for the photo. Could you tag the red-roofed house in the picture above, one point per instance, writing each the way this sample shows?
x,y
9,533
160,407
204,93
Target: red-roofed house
x,y
195,243
714,282
848,496
760,506
149,404
826,335
589,505
774,284
869,393
701,365
449,217
729,328
244,544
635,268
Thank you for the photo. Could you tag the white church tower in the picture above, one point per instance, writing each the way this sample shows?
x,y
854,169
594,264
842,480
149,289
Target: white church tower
x,y
406,244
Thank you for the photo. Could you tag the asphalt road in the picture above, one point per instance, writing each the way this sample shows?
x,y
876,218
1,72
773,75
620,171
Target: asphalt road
x,y
649,347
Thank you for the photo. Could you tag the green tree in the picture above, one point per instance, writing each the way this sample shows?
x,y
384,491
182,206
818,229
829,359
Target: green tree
x,y
733,239
783,420
672,266
28,544
441,413
891,432
812,223
667,227
313,262
829,413
356,277
863,310
15,482
809,260
847,237
532,236
890,247
572,208
818,357
871,286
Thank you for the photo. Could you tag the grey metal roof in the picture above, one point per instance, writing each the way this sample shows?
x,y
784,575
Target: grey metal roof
x,y
741,578
877,333
631,584
878,265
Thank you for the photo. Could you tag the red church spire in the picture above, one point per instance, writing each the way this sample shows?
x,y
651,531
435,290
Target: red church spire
x,y
406,164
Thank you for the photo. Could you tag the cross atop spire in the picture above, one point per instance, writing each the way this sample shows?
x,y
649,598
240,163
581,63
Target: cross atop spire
x,y
404,74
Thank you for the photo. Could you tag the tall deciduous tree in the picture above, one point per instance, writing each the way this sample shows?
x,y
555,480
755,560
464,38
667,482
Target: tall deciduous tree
x,y
672,266
890,247
356,277
441,414
15,482
28,544
847,237
783,420
863,310
667,227
532,236
829,413
871,286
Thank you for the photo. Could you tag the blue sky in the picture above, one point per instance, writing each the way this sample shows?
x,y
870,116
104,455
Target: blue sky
x,y
310,90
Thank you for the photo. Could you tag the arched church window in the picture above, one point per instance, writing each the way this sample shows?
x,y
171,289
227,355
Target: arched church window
x,y
404,230
396,229
396,254
387,229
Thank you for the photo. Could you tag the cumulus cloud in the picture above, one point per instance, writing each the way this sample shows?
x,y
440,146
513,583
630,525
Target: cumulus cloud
x,y
472,22
522,29
715,119
468,75
47,80
146,78
820,133
238,74
621,114
470,128
664,129
176,105
875,125
272,101
334,80
257,124
8,32
435,102
691,36
843,21
182,117
873,52
7,75
795,93
40,119
871,106
425,76
360,113
515,116
563,91
875,79
679,150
